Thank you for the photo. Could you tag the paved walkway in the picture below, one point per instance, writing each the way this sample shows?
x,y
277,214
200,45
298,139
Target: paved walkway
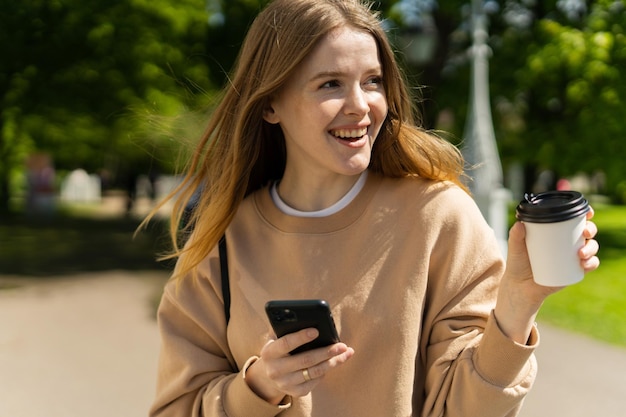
x,y
79,347
88,347
578,377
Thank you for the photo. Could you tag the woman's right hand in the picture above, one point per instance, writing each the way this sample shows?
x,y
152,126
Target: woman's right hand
x,y
277,373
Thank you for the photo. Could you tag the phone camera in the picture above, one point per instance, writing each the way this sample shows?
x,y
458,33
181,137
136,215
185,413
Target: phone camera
x,y
289,315
284,315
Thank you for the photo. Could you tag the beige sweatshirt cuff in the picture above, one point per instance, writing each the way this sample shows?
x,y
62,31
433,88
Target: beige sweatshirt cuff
x,y
500,360
240,400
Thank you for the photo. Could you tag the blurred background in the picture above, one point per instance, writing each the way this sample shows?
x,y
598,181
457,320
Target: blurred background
x,y
102,101
120,89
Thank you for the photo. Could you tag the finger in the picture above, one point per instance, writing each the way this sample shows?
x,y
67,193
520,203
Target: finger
x,y
590,249
339,354
317,356
518,231
590,264
295,383
590,230
305,371
299,386
286,368
278,348
318,362
294,340
517,235
299,381
590,213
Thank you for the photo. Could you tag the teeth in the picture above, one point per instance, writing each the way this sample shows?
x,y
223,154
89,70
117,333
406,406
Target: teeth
x,y
349,133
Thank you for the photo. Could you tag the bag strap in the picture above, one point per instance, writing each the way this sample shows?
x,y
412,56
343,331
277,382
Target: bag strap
x,y
225,282
225,278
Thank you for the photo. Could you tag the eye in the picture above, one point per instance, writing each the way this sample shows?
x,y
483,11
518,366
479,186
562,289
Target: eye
x,y
375,81
330,84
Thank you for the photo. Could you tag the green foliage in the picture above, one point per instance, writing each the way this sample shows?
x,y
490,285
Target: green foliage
x,y
114,84
78,80
556,82
564,87
67,244
224,39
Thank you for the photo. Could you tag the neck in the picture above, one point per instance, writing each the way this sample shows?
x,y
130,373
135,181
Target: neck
x,y
314,194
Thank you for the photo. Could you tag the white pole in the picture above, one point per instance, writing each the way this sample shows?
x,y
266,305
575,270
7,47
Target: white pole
x,y
480,148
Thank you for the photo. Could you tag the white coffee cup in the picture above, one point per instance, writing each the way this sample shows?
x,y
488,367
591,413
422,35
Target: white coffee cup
x,y
554,223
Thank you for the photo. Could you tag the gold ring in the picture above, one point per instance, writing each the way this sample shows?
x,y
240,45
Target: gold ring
x,y
305,374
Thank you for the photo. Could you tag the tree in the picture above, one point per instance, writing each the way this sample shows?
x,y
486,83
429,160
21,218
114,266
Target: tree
x,y
84,80
556,82
565,93
112,83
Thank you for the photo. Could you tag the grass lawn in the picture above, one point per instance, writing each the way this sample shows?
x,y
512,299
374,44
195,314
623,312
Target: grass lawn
x,y
66,244
597,305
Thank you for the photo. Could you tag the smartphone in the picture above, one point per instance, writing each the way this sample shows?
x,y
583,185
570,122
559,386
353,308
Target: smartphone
x,y
288,316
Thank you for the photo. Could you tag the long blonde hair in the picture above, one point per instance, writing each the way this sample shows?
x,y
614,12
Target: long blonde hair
x,y
240,152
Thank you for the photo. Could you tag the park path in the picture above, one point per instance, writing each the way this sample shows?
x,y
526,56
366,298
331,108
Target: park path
x,y
578,377
88,345
81,346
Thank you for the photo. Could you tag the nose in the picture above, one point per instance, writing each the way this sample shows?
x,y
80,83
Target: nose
x,y
356,101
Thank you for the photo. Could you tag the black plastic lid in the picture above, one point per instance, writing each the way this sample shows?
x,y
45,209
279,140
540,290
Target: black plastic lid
x,y
551,207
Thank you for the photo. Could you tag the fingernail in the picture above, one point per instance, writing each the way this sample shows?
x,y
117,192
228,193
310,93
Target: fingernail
x,y
312,333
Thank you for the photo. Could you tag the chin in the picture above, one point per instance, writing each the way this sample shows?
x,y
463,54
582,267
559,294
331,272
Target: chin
x,y
355,169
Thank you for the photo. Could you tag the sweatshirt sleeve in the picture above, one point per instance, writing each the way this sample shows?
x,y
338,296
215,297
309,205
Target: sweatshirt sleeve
x,y
472,368
196,374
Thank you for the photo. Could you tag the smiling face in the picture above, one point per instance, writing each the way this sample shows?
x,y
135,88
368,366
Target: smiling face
x,y
332,108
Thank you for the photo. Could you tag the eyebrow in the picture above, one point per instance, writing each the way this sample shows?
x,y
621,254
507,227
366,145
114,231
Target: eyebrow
x,y
326,74
334,74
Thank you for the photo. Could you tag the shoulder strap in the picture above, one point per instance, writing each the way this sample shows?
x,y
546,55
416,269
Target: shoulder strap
x,y
225,279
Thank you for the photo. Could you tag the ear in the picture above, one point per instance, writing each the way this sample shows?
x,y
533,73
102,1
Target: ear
x,y
270,115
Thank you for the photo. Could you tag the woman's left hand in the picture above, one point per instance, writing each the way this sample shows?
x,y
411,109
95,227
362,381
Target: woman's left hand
x,y
519,297
588,253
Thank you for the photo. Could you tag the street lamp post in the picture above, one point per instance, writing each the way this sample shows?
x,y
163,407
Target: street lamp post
x,y
479,148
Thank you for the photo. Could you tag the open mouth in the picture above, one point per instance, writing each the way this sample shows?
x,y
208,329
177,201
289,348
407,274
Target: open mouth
x,y
349,134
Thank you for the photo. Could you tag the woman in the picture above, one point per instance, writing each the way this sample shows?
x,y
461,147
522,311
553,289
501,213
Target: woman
x,y
313,170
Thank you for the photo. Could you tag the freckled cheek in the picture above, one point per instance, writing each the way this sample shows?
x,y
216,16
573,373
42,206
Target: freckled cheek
x,y
328,113
381,110
380,117
379,104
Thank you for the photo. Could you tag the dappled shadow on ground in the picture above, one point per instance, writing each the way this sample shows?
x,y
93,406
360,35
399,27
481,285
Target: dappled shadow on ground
x,y
63,244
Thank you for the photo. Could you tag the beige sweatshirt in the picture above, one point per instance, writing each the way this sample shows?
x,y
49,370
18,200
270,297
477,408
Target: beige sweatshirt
x,y
410,269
